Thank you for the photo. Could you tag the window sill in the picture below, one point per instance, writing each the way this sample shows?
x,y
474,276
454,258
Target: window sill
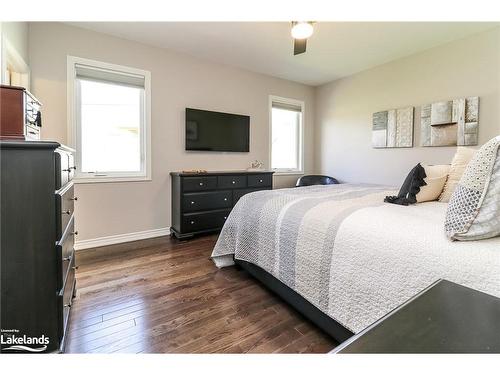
x,y
288,173
98,180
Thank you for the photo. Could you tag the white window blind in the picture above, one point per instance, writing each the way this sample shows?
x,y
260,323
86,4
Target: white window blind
x,y
287,107
108,76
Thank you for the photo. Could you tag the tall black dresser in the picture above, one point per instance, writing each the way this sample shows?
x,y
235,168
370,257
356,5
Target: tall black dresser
x,y
37,236
201,202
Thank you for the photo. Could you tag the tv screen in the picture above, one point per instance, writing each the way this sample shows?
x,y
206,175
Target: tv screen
x,y
216,131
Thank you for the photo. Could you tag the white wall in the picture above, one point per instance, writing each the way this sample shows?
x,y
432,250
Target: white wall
x,y
14,52
344,108
17,34
178,81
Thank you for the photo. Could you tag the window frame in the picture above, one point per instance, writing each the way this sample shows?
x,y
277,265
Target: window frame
x,y
299,103
74,130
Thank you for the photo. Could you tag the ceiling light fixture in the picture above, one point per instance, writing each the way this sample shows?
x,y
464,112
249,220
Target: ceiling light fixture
x,y
302,29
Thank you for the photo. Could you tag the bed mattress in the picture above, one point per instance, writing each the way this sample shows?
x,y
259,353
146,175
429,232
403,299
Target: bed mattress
x,y
350,254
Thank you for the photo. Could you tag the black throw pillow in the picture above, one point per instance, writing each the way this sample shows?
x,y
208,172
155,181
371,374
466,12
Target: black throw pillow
x,y
411,187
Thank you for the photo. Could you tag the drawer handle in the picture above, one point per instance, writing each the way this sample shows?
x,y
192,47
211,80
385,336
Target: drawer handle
x,y
66,170
74,168
68,212
192,222
75,233
192,202
73,199
201,183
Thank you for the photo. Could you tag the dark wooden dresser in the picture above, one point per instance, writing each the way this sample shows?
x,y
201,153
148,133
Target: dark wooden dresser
x,y
37,236
201,202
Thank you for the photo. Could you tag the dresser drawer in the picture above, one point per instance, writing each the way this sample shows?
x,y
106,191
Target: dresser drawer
x,y
237,194
206,201
62,176
66,296
256,180
204,221
64,208
65,249
32,132
71,166
68,272
199,183
231,182
65,167
69,280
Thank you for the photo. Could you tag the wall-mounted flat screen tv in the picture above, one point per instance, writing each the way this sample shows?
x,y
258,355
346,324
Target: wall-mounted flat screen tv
x,y
216,131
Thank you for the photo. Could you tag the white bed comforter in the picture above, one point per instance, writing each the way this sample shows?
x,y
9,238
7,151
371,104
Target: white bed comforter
x,y
384,255
349,254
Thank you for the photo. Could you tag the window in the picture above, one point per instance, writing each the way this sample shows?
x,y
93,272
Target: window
x,y
109,121
286,135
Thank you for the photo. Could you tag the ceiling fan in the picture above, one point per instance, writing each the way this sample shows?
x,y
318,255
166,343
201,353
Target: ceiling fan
x,y
301,30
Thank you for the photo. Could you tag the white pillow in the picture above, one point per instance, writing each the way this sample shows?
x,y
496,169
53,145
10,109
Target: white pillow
x,y
434,171
474,209
435,180
462,157
432,190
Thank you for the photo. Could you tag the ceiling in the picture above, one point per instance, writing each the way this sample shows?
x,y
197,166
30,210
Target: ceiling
x,y
335,50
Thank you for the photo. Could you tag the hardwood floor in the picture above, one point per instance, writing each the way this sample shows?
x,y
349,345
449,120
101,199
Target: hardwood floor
x,y
166,296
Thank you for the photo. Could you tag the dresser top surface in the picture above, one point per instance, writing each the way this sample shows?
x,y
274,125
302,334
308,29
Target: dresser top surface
x,y
218,173
29,144
5,144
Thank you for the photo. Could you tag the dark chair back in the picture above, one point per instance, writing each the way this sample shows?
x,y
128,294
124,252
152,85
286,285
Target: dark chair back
x,y
316,180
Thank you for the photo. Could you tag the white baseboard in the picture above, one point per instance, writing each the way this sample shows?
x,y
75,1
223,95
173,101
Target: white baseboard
x,y
121,238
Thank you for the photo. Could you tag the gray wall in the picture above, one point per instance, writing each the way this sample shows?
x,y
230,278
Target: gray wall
x,y
344,108
178,81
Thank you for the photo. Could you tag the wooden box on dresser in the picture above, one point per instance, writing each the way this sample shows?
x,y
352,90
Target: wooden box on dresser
x,y
20,116
37,236
201,202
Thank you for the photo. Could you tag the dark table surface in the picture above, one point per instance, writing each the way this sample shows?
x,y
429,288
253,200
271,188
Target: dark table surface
x,y
444,318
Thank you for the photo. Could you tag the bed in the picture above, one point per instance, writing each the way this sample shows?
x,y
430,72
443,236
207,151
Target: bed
x,y
345,258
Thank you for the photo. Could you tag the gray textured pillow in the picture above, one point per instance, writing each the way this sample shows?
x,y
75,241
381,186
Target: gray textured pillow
x,y
474,208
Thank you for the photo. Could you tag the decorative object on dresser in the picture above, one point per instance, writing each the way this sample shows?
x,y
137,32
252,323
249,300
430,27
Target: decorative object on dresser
x,y
201,202
393,128
443,318
37,236
450,123
256,166
20,116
